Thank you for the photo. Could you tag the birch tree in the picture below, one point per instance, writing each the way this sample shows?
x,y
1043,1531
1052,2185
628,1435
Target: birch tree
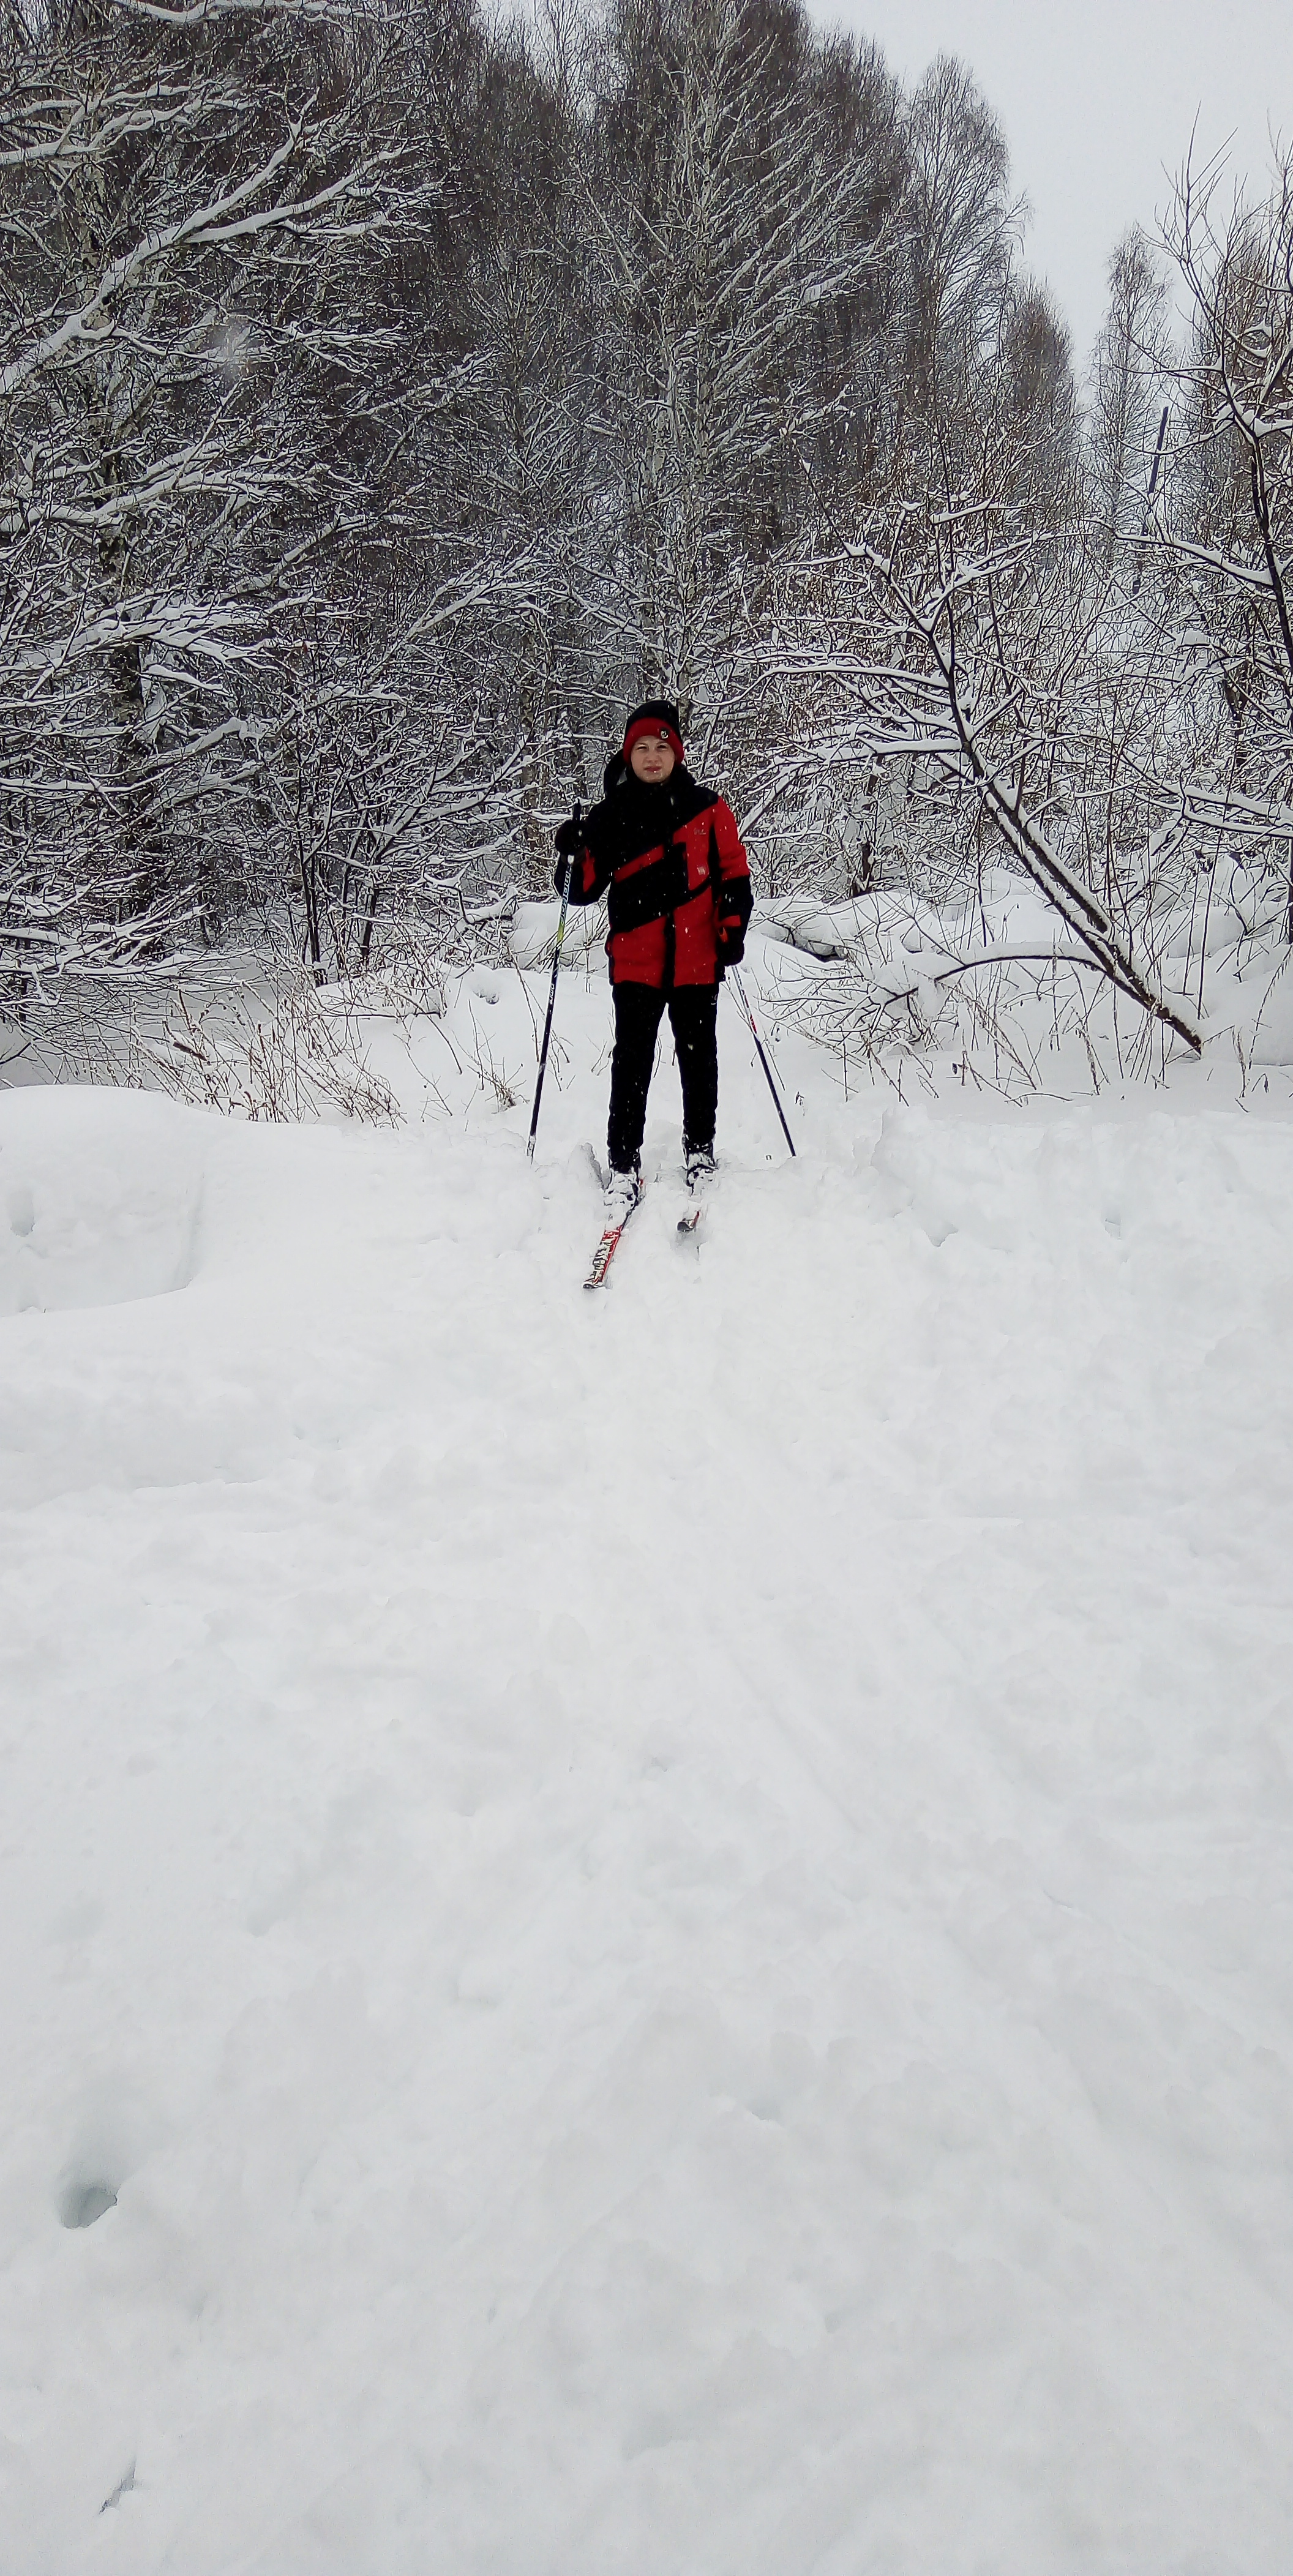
x,y
724,233
1130,378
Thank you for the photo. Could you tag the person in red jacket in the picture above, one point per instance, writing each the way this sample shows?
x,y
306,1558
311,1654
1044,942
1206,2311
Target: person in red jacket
x,y
667,854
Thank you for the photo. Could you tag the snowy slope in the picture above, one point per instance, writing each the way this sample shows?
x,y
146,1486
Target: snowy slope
x,y
668,1914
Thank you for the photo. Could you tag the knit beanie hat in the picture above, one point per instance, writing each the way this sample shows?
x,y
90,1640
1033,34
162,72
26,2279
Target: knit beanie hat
x,y
657,721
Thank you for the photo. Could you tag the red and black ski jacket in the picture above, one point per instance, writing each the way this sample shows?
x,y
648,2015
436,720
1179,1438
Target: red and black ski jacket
x,y
670,861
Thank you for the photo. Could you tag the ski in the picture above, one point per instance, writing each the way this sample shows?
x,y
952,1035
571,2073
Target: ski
x,y
609,1246
689,1223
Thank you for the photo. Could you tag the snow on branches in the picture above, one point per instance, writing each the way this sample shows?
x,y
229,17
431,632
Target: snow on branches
x,y
388,398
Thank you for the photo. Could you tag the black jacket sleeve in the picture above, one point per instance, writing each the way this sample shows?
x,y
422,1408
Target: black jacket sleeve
x,y
733,905
733,896
592,865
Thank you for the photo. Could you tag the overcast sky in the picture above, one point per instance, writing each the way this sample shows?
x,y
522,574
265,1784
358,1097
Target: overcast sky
x,y
1096,100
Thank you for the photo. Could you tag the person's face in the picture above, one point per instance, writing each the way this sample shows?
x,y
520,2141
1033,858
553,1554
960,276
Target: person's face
x,y
651,760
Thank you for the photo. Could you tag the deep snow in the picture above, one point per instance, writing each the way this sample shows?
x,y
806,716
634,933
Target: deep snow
x,y
660,1924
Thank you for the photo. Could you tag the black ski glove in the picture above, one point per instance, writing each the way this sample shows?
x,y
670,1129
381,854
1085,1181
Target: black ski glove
x,y
731,944
570,837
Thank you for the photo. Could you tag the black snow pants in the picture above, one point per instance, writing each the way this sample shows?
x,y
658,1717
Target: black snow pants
x,y
693,1015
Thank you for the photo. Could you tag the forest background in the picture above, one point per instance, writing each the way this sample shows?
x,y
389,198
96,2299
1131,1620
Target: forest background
x,y
390,395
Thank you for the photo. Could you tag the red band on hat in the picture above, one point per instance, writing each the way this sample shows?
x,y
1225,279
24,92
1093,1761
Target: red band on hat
x,y
652,729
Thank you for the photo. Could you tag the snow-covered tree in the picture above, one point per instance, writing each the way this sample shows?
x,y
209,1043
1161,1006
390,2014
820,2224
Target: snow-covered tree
x,y
1230,531
729,236
222,362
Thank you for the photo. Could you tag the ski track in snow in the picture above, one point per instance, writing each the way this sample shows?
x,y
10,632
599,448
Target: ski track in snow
x,y
646,1935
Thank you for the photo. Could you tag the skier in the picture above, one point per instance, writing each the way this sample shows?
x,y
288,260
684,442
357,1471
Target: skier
x,y
669,852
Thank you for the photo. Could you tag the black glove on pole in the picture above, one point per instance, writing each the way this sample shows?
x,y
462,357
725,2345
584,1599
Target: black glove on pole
x,y
552,998
747,1014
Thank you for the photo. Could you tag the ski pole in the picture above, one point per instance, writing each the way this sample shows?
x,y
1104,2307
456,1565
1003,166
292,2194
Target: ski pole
x,y
552,999
743,1004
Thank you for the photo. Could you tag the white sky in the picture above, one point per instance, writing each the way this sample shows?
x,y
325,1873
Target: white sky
x,y
1096,101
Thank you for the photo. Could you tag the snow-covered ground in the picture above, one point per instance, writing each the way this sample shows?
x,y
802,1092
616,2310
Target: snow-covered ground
x,y
647,1935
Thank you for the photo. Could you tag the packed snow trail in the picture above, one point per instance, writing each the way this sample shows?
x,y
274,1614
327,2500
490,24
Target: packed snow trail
x,y
659,1925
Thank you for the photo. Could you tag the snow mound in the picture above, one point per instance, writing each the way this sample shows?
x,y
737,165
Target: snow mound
x,y
100,1197
533,932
